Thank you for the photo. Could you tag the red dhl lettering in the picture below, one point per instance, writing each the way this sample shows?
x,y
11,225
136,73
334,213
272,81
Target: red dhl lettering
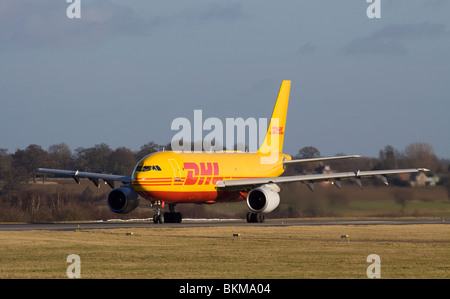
x,y
276,131
206,174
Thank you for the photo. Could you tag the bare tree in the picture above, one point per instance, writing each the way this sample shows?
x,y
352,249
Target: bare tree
x,y
308,152
61,156
5,162
121,161
93,159
421,154
31,158
147,149
388,158
402,196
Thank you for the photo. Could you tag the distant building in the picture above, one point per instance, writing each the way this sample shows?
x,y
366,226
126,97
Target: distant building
x,y
324,169
422,179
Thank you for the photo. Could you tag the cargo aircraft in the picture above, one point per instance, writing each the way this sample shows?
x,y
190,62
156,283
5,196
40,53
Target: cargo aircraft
x,y
170,177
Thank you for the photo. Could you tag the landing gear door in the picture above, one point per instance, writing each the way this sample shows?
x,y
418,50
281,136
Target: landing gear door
x,y
176,170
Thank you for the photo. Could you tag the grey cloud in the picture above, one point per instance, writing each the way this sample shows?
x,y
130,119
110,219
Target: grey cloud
x,y
225,12
37,24
213,12
34,24
306,49
392,39
435,4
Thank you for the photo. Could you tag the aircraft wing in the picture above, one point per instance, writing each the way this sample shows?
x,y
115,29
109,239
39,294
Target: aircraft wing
x,y
320,159
309,180
94,177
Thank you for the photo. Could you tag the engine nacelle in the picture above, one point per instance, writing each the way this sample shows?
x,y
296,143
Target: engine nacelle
x,y
264,199
123,200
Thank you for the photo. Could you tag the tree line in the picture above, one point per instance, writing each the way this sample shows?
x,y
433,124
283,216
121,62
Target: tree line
x,y
20,167
415,155
21,200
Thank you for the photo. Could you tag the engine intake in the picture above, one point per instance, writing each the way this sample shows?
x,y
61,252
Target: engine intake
x,y
122,200
264,199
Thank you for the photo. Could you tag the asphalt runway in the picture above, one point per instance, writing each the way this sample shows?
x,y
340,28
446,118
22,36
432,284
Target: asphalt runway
x,y
212,223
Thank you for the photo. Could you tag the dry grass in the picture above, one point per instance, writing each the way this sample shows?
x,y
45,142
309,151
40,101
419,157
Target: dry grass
x,y
409,251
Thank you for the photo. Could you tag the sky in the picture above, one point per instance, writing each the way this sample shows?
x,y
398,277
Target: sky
x,y
125,70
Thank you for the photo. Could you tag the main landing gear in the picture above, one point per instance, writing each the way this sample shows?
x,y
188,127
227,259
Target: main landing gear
x,y
255,217
167,217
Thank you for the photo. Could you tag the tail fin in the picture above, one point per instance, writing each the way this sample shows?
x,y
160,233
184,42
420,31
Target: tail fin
x,y
273,143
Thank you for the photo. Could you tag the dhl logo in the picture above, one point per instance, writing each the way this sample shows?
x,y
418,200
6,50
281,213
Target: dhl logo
x,y
201,173
276,131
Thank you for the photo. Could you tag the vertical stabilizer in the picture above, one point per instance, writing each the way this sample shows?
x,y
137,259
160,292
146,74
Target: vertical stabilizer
x,y
273,143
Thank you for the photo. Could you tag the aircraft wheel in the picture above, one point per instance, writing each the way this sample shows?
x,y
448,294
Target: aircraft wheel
x,y
167,217
255,217
249,217
260,218
178,217
158,219
172,217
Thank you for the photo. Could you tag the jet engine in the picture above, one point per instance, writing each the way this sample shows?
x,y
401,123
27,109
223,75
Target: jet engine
x,y
123,199
264,199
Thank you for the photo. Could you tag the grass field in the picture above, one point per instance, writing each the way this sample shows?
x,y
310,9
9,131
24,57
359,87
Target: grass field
x,y
406,251
297,201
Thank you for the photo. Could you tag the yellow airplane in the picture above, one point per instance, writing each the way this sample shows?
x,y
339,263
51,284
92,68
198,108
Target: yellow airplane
x,y
171,177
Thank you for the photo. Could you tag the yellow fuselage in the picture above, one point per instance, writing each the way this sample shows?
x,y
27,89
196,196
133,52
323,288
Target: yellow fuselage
x,y
181,177
191,177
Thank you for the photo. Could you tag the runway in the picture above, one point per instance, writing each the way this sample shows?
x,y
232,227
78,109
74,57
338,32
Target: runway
x,y
72,226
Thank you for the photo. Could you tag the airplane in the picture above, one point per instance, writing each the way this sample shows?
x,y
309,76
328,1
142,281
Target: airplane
x,y
171,177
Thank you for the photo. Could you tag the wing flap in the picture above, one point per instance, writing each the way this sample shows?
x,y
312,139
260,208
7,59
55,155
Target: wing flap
x,y
241,184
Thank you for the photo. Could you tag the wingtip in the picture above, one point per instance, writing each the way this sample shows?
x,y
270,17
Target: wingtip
x,y
423,169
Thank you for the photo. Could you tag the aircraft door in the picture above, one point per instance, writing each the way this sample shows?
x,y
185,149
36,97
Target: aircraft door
x,y
176,170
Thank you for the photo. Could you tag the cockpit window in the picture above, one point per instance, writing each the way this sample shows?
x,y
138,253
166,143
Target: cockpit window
x,y
148,168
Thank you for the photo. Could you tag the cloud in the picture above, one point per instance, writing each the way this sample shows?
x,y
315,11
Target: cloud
x,y
222,12
306,49
35,24
435,4
213,12
392,39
